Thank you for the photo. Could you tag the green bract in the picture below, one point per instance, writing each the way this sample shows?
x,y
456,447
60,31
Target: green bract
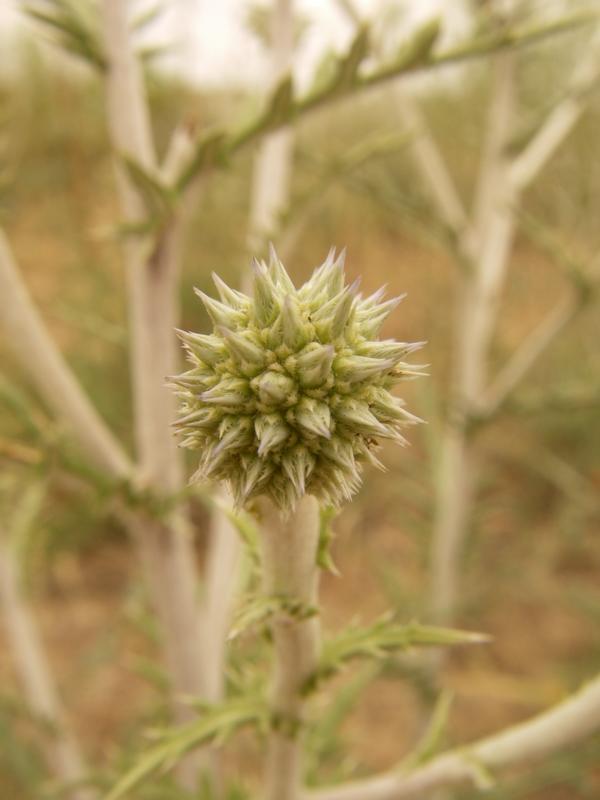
x,y
290,393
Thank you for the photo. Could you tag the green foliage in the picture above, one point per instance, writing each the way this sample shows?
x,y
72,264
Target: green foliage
x,y
23,774
417,50
216,724
65,148
324,560
342,78
209,153
75,25
325,745
258,610
433,737
378,640
158,198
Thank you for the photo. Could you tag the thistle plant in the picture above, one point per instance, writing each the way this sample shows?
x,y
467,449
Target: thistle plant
x,y
291,392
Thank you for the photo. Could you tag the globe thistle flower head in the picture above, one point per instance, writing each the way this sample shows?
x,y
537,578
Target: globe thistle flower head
x,y
290,394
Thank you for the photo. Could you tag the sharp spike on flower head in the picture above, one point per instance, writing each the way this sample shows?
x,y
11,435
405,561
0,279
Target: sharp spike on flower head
x,y
335,275
257,472
313,417
373,318
361,368
389,408
208,349
235,432
329,277
331,318
313,364
230,391
357,414
278,272
289,393
296,330
341,453
199,418
230,296
271,432
389,349
373,299
243,349
344,311
297,466
198,378
265,300
219,313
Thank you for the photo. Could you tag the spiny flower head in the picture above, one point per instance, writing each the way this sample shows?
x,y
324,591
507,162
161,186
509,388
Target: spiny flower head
x,y
291,392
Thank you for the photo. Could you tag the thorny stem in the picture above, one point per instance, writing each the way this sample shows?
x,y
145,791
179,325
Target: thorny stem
x,y
289,553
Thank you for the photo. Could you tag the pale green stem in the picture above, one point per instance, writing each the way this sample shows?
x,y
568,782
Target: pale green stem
x,y
289,553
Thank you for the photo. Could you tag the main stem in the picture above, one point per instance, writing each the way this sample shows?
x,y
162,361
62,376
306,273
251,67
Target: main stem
x,y
289,553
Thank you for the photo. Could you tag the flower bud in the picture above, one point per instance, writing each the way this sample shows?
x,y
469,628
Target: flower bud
x,y
290,392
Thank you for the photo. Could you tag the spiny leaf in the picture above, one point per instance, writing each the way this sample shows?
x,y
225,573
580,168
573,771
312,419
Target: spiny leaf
x,y
259,609
209,152
414,52
347,69
430,742
158,198
326,535
148,16
280,105
413,55
217,723
324,738
76,24
378,640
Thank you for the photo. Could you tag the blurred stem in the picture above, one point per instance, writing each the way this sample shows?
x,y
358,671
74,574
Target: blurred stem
x,y
273,160
58,387
222,576
428,156
561,727
488,247
61,750
561,120
152,268
289,557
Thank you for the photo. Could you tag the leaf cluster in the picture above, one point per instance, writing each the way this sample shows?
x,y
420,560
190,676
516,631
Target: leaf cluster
x,y
259,609
380,639
75,25
216,724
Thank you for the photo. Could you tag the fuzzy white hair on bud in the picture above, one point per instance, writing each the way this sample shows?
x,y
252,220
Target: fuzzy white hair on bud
x,y
291,391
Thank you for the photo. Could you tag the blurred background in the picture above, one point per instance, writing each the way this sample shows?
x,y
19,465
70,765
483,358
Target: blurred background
x,y
362,173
